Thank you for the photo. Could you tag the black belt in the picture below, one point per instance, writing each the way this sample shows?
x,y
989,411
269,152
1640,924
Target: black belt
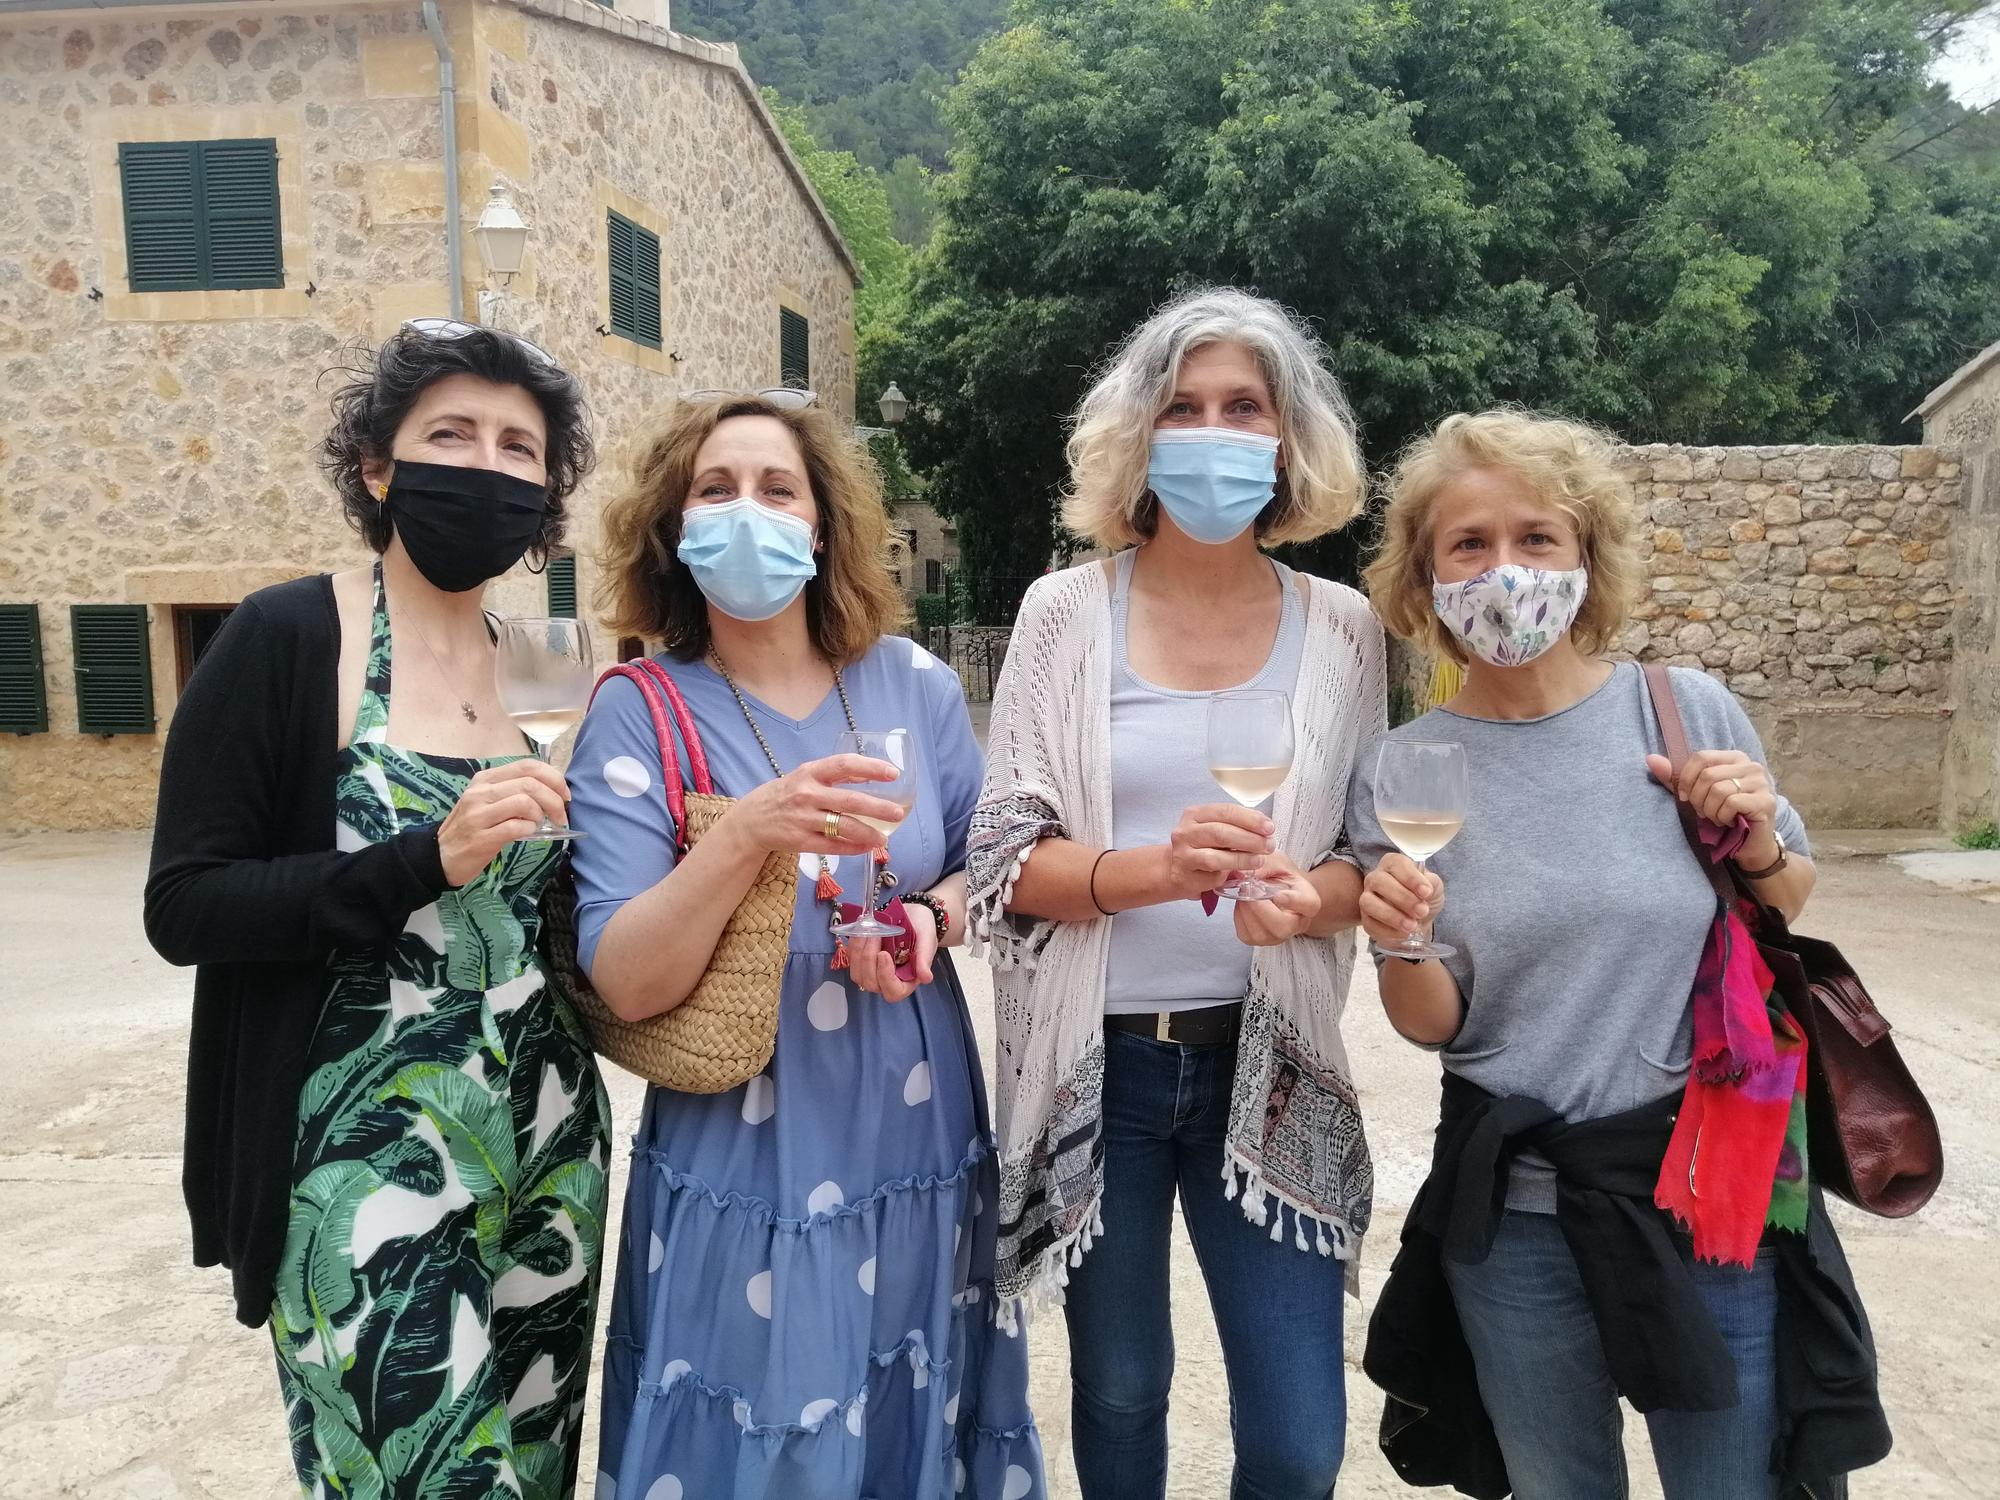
x,y
1204,1026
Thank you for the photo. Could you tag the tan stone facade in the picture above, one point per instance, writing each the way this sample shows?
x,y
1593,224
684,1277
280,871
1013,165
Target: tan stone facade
x,y
1964,412
157,447
1817,583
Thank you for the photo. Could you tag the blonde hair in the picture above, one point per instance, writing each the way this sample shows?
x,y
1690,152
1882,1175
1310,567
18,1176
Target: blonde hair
x,y
1567,465
1319,489
647,591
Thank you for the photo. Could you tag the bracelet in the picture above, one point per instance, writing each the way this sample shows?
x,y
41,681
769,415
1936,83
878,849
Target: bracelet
x,y
937,910
1093,883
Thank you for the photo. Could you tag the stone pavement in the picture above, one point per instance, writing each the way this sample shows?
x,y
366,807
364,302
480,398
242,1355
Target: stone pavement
x,y
122,1373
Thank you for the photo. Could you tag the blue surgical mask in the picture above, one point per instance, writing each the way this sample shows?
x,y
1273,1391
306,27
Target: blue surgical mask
x,y
749,560
1213,481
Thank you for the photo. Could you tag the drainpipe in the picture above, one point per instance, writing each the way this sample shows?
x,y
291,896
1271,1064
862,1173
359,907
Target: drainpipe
x,y
448,103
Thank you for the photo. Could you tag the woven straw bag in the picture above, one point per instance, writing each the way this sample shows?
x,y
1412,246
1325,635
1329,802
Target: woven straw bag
x,y
722,1035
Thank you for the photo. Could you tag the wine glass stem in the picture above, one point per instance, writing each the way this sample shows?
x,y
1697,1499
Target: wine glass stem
x,y
874,882
542,749
1415,940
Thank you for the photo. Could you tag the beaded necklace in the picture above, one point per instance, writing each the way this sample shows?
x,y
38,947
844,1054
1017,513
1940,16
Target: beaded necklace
x,y
827,889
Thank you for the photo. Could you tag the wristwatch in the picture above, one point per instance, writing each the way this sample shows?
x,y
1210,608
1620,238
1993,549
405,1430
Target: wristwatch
x,y
1773,867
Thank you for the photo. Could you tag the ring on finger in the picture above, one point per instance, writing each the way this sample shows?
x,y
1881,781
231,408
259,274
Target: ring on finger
x,y
833,826
1734,783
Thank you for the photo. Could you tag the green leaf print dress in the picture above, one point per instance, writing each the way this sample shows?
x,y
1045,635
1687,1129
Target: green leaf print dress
x,y
435,1301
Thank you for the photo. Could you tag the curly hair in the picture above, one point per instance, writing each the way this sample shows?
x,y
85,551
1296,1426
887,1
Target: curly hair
x,y
648,592
1567,464
384,384
1320,487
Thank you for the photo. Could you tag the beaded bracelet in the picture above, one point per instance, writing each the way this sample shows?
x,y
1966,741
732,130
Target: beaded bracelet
x,y
937,910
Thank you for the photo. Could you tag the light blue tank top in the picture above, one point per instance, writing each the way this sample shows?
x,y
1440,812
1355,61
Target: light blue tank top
x,y
1175,956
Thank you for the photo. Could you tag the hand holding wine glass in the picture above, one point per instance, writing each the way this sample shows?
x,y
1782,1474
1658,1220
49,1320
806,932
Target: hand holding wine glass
x,y
542,668
897,748
1250,747
1420,800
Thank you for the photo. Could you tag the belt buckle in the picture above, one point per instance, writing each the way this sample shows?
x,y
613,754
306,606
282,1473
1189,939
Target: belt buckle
x,y
1163,1026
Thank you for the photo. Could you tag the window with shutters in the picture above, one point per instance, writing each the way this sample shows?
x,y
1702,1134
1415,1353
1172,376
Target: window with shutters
x,y
933,576
634,271
195,627
201,215
562,587
794,349
114,669
24,703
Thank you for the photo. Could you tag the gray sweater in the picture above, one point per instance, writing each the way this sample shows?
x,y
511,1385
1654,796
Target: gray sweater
x,y
1577,909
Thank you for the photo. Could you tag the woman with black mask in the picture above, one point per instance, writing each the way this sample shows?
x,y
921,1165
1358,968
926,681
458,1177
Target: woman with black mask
x,y
396,1134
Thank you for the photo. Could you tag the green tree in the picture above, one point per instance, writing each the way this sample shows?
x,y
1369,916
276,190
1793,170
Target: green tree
x,y
1685,220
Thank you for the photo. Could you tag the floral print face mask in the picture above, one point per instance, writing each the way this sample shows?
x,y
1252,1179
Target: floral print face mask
x,y
1510,615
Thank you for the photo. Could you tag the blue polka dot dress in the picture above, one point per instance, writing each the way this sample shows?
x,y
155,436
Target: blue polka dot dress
x,y
803,1306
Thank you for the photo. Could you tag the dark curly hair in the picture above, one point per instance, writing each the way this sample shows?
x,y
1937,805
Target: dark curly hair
x,y
383,385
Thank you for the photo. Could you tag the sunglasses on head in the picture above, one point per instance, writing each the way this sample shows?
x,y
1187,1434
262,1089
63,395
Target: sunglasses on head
x,y
457,328
784,397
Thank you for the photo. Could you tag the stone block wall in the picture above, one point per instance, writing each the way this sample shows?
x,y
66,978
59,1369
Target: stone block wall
x,y
1817,583
159,448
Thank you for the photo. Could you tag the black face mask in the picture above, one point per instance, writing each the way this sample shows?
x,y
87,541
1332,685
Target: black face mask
x,y
463,526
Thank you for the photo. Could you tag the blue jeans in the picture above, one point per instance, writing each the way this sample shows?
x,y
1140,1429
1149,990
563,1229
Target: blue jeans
x,y
1542,1376
1277,1308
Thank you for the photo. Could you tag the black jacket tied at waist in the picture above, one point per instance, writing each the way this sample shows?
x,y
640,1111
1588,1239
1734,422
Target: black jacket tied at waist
x,y
1661,1346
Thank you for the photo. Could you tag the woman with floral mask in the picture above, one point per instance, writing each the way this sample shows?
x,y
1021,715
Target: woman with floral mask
x,y
395,1129
1620,1201
1154,1044
804,1304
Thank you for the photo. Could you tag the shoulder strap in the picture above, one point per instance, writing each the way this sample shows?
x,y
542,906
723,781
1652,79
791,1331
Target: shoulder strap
x,y
1660,685
669,711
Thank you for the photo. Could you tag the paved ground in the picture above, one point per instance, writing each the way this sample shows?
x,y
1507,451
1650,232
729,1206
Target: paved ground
x,y
122,1374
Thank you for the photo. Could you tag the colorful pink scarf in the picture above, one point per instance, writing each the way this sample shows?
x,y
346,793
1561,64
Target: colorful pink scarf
x,y
1737,1160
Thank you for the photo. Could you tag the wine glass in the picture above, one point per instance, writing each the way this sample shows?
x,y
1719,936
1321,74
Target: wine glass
x,y
542,669
1249,755
1420,801
899,748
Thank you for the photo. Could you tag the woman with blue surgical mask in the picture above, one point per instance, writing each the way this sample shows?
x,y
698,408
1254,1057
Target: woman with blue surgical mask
x,y
1159,1041
804,1297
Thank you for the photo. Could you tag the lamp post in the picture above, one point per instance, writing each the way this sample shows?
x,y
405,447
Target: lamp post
x,y
503,242
895,406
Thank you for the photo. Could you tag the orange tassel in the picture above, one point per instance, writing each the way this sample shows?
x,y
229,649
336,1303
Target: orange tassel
x,y
840,959
882,855
828,888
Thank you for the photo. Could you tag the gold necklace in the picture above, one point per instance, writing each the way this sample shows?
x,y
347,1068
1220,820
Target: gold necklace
x,y
464,703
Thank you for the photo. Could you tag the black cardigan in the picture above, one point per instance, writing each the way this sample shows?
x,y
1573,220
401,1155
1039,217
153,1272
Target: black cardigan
x,y
1661,1345
247,885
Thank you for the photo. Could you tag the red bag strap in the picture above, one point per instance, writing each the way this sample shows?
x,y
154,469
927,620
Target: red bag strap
x,y
1668,711
669,712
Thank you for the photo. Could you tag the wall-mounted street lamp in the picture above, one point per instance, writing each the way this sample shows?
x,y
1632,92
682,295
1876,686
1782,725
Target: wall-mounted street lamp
x,y
502,234
895,405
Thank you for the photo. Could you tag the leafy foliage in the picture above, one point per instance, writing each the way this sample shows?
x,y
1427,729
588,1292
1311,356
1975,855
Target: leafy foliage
x,y
1688,221
869,73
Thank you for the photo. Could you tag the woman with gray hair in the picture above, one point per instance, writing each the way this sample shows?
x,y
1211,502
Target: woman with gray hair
x,y
1152,1045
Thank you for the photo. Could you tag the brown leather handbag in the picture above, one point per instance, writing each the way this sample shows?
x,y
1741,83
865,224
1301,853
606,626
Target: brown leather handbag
x,y
1870,1134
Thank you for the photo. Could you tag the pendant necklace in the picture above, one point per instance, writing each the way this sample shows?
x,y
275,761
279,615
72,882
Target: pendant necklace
x,y
827,889
464,704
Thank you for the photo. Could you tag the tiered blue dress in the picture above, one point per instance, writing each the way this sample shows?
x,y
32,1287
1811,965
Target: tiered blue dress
x,y
804,1305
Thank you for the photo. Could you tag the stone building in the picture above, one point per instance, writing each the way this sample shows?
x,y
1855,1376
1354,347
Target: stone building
x,y
202,205
1964,412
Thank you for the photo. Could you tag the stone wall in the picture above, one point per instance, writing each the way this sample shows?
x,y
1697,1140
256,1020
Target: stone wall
x,y
1817,583
158,448
1964,412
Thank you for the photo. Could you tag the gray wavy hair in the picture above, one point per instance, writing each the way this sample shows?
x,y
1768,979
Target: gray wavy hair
x,y
1320,487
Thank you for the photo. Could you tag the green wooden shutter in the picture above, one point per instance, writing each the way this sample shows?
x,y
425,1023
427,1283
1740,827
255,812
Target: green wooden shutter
x,y
794,350
201,214
646,286
562,587
635,280
114,669
239,186
163,241
24,703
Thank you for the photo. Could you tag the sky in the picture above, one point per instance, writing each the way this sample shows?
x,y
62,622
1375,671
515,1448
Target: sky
x,y
1971,69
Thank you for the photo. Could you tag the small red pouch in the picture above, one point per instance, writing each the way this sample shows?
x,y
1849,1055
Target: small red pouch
x,y
895,915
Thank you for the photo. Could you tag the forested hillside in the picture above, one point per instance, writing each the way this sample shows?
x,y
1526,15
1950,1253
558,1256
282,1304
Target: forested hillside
x,y
868,73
